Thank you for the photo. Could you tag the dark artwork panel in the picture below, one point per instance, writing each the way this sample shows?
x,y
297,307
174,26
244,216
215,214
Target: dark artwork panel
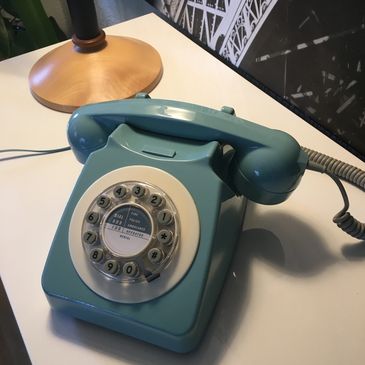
x,y
308,54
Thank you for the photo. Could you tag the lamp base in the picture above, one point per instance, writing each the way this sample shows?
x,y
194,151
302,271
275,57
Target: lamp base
x,y
70,76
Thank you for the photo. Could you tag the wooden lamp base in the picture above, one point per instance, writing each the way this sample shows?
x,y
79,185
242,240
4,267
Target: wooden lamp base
x,y
103,69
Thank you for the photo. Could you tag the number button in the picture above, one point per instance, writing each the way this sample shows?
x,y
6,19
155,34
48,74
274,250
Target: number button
x,y
156,200
96,254
155,255
165,217
92,217
120,191
164,237
90,237
130,269
103,201
111,267
138,190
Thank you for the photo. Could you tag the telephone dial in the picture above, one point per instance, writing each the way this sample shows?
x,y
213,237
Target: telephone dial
x,y
150,228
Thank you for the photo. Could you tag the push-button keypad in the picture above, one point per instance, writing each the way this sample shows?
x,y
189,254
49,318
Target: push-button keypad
x,y
164,217
92,217
164,236
138,190
111,267
155,255
103,201
156,200
120,191
131,231
96,254
130,269
90,237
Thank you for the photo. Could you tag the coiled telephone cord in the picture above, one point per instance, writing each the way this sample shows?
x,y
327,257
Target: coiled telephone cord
x,y
340,170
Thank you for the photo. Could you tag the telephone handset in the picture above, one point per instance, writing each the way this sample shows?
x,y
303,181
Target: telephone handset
x,y
150,228
267,165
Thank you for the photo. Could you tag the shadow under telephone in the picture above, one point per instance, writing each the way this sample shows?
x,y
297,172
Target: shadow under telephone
x,y
150,228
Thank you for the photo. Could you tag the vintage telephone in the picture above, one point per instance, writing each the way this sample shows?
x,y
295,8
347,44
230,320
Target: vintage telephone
x,y
150,228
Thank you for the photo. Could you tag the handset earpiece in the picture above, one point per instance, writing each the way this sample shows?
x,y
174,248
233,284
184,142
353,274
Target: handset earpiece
x,y
267,166
270,173
86,134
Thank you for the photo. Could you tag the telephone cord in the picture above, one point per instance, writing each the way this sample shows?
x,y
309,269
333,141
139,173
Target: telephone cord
x,y
340,170
31,152
344,171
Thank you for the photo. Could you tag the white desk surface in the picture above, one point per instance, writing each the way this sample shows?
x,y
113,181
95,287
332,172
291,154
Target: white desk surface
x,y
295,293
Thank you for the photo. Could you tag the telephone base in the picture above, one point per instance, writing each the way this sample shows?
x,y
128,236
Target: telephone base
x,y
173,310
71,296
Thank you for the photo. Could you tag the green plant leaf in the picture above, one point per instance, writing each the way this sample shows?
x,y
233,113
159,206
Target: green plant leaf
x,y
37,24
4,40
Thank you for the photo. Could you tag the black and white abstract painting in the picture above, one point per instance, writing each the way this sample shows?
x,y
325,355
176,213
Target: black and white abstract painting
x,y
308,54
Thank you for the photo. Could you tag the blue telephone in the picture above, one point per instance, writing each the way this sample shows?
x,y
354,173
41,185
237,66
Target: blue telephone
x,y
150,229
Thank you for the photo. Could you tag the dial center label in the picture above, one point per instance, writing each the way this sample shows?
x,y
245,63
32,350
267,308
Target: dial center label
x,y
127,230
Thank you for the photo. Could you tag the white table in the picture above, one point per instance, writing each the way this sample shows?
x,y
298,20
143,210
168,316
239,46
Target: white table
x,y
295,293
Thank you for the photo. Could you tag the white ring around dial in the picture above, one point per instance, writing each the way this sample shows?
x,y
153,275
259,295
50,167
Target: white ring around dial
x,y
183,258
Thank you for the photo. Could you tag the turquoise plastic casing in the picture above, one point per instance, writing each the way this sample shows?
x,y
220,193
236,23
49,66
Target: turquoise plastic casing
x,y
186,141
178,319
